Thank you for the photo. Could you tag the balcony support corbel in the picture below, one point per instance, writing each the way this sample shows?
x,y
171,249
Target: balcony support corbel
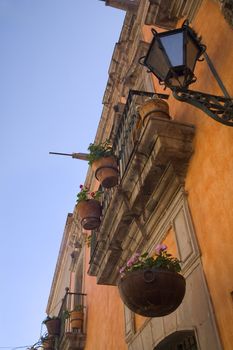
x,y
136,219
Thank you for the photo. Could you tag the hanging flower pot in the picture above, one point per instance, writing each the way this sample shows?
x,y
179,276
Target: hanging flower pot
x,y
88,208
76,318
89,213
152,292
154,106
53,325
106,171
151,286
103,163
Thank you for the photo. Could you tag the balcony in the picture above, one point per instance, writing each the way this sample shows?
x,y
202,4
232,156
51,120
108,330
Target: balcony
x,y
166,14
126,5
72,336
153,162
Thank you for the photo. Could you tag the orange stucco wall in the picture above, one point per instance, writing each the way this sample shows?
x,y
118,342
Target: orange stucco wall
x,y
105,327
209,184
209,181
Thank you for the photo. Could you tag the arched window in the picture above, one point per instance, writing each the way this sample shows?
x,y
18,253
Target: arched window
x,y
183,340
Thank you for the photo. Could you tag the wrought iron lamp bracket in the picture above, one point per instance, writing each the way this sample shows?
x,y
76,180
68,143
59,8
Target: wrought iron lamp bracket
x,y
220,108
217,107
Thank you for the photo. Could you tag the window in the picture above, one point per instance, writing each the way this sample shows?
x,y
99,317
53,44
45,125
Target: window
x,y
183,340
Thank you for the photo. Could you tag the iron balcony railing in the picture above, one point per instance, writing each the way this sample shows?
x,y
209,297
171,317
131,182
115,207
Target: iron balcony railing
x,y
70,302
125,139
124,144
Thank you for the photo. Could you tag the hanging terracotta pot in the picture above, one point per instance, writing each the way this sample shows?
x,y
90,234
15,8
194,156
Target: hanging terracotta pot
x,y
89,212
76,319
53,326
106,171
154,107
152,292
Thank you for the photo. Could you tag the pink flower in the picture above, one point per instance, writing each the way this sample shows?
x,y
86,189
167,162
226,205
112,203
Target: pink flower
x,y
81,186
122,269
129,263
92,194
133,259
160,248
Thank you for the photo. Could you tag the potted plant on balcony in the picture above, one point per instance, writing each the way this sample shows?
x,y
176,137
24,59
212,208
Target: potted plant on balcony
x,y
103,163
76,317
151,286
88,208
47,342
156,107
53,325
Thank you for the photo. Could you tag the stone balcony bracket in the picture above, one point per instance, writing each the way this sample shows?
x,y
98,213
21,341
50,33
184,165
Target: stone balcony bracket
x,y
166,13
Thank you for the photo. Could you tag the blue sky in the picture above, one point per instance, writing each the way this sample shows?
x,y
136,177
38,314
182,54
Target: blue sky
x,y
53,72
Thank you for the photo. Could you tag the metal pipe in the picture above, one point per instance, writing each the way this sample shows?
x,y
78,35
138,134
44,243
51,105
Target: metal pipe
x,y
81,156
61,154
215,74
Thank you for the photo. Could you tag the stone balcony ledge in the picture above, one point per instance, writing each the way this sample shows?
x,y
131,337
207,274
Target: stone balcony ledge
x,y
156,169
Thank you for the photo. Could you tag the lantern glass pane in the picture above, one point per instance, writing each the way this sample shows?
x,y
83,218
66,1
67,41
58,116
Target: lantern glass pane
x,y
192,53
157,61
173,45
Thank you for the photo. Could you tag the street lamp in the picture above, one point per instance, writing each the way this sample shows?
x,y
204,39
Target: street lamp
x,y
172,57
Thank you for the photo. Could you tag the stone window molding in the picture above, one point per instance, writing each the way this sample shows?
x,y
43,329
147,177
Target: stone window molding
x,y
129,324
177,216
195,314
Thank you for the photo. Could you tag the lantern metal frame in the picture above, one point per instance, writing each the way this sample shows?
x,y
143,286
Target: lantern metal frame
x,y
220,108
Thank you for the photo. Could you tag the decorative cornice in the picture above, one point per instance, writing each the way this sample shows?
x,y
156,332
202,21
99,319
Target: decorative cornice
x,y
61,256
134,68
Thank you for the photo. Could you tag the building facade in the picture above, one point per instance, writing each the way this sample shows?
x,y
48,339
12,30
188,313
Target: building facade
x,y
175,186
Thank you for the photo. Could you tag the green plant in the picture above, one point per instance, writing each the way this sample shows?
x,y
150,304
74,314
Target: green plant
x,y
85,194
88,241
160,259
66,313
78,307
100,150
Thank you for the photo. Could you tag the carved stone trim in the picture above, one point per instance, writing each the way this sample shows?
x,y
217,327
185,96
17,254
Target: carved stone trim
x,y
73,341
166,13
176,215
119,59
196,312
60,262
129,324
132,74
